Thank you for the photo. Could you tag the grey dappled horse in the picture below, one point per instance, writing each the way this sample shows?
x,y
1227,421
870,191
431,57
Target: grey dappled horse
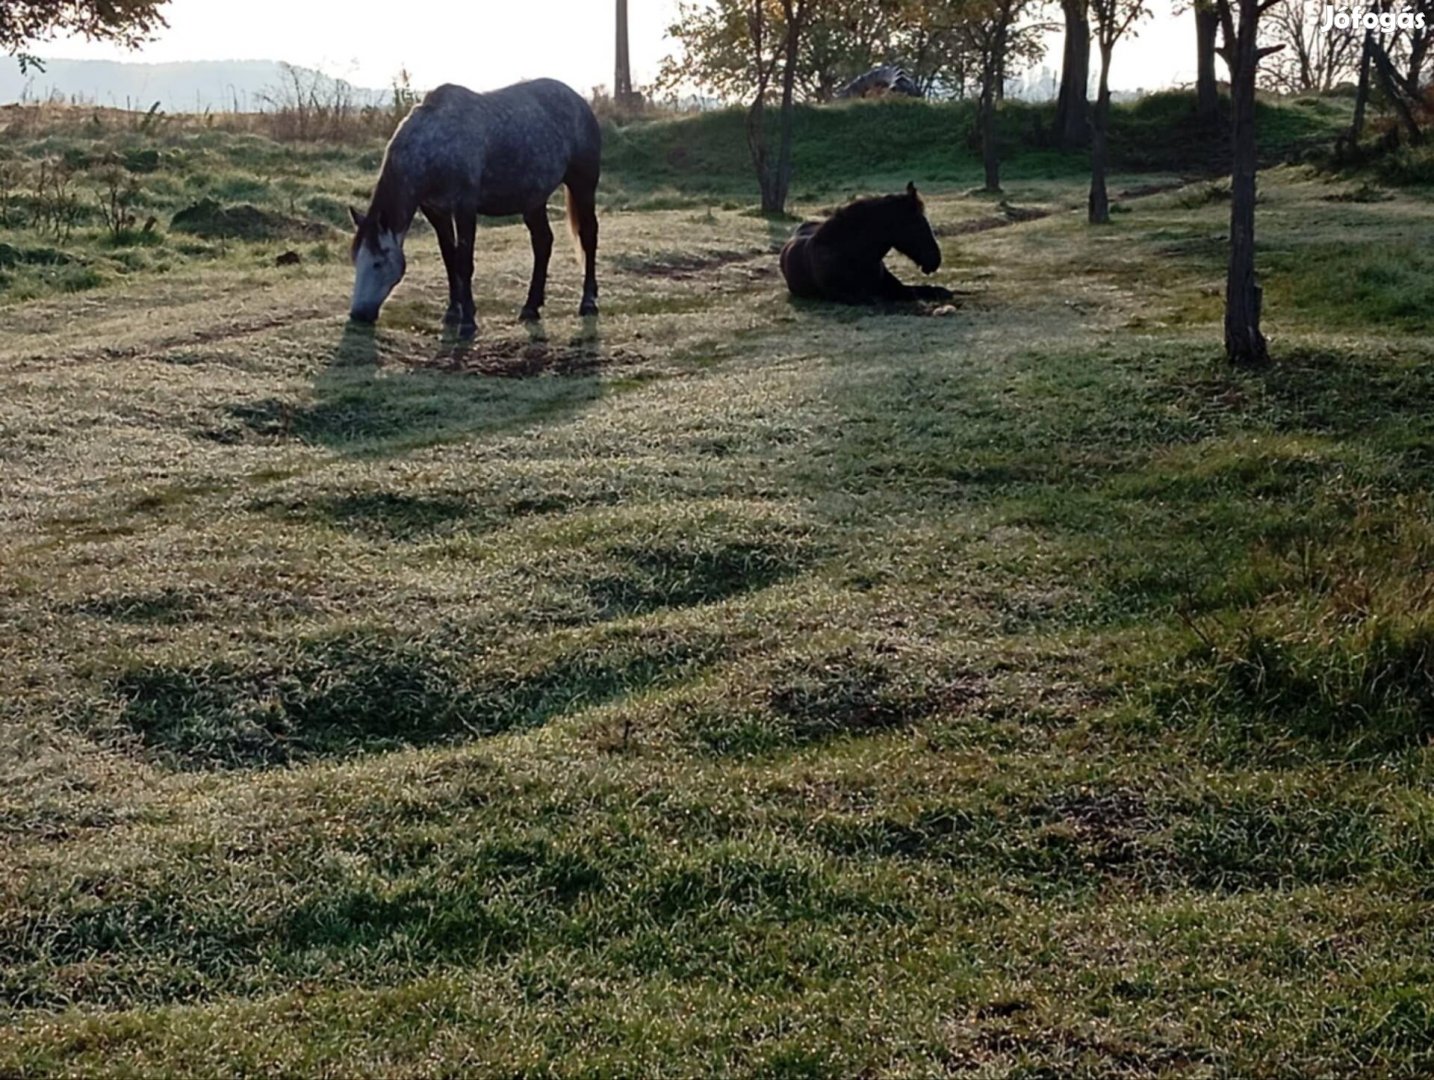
x,y
460,154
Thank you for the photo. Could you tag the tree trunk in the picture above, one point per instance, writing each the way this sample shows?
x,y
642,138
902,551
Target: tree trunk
x,y
1072,109
990,156
782,179
622,73
757,114
1418,53
992,69
1207,96
1244,343
1361,95
1099,209
1390,83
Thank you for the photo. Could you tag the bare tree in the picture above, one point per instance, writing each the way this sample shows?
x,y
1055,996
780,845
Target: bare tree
x,y
1314,59
1361,93
1113,19
1404,99
1240,25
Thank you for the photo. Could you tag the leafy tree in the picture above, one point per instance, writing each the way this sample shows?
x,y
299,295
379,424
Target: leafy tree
x,y
840,40
790,16
1113,19
996,35
716,49
23,23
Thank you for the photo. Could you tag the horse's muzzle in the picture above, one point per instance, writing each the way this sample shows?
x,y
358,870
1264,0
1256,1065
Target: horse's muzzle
x,y
931,267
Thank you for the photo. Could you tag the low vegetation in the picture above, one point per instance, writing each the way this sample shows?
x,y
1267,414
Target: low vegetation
x,y
730,684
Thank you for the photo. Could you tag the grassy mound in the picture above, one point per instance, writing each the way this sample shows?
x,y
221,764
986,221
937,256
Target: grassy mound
x,y
244,221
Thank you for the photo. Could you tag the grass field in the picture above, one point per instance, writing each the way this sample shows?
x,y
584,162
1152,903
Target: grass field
x,y
728,684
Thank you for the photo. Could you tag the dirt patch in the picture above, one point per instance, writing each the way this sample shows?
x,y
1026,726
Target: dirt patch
x,y
1117,810
682,265
1013,215
1151,189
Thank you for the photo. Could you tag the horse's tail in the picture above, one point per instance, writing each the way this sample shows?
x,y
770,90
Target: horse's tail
x,y
581,199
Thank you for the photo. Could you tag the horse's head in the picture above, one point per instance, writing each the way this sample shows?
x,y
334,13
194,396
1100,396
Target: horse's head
x,y
377,254
911,232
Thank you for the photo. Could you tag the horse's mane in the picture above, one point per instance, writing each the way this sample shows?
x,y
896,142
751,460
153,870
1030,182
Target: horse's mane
x,y
385,211
858,214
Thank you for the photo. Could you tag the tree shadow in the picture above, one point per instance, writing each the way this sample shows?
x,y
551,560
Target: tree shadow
x,y
385,392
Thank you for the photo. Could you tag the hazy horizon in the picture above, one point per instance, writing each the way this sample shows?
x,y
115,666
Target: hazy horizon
x,y
573,43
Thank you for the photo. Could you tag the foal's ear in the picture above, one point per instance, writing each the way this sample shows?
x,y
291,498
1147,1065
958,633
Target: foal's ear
x,y
358,218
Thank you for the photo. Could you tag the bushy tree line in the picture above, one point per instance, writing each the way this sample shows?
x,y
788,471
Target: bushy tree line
x,y
939,43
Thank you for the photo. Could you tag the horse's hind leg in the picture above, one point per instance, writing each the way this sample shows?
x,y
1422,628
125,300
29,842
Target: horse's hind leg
x,y
542,236
466,226
447,244
582,216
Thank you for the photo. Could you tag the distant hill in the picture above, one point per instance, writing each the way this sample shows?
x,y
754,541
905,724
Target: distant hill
x,y
192,86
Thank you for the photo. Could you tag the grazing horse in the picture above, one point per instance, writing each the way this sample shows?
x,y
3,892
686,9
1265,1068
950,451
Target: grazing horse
x,y
461,154
841,258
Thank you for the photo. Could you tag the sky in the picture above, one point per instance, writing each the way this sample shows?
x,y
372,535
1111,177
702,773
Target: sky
x,y
489,43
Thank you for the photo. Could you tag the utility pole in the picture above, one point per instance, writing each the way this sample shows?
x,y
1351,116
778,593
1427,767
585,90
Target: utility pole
x,y
622,76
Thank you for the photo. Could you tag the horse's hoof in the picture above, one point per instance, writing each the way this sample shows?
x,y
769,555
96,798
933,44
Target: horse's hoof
x,y
467,329
530,314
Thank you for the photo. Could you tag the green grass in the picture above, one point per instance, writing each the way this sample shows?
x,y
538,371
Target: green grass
x,y
729,685
229,196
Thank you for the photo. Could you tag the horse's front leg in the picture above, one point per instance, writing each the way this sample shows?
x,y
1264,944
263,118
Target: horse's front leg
x,y
889,287
448,245
542,236
466,229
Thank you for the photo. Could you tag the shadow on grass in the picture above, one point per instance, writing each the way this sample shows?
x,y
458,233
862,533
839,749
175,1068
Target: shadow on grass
x,y
364,692
387,393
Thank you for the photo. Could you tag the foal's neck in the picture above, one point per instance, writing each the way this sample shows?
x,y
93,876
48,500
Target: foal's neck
x,y
863,227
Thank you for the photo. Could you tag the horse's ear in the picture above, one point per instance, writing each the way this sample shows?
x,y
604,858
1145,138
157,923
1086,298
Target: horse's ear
x,y
911,189
358,218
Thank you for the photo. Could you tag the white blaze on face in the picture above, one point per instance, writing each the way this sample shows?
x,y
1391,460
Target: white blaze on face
x,y
378,268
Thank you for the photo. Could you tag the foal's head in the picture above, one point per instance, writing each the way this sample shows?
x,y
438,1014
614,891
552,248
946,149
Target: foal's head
x,y
910,231
377,254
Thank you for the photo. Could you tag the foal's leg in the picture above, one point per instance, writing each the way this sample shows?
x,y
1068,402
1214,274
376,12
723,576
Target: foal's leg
x,y
447,244
466,226
542,236
893,289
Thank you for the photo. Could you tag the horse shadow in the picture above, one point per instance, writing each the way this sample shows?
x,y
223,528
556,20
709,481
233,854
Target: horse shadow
x,y
385,393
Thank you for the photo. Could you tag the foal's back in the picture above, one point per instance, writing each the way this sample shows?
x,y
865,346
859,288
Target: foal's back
x,y
796,262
